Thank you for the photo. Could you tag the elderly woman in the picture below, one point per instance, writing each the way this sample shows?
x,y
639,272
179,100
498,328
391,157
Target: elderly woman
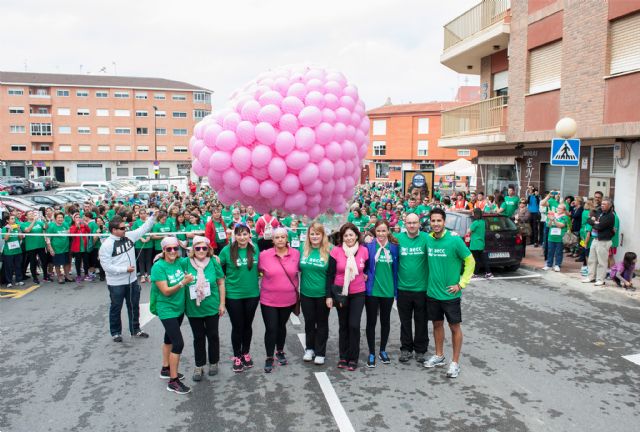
x,y
278,294
205,304
523,217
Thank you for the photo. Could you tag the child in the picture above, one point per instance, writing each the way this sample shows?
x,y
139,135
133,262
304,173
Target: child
x,y
622,273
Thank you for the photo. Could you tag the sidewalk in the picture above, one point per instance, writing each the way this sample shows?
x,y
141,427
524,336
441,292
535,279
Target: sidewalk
x,y
534,260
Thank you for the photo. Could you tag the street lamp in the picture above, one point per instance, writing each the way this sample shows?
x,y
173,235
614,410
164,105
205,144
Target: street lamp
x,y
156,164
565,128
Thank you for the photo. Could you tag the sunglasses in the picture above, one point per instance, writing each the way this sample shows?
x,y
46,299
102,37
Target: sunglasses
x,y
121,228
200,248
172,249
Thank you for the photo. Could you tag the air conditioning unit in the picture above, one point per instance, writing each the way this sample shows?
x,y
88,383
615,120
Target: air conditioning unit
x,y
28,163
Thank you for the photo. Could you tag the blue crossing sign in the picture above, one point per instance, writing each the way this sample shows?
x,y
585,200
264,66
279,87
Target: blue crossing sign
x,y
565,152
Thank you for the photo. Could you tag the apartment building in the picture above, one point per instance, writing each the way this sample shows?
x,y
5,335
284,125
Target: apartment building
x,y
96,127
539,61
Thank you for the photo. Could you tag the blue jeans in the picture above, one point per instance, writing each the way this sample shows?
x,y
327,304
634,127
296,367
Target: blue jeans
x,y
118,294
12,266
556,250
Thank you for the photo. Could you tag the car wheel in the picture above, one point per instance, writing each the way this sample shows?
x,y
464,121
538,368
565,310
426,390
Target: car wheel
x,y
512,268
19,191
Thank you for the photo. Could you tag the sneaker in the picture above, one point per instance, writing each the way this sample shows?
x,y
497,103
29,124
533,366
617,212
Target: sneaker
x,y
88,278
78,279
176,386
166,374
489,276
420,358
434,361
476,277
198,373
342,364
213,369
405,356
117,338
268,365
237,365
384,357
281,358
352,366
454,370
9,285
587,280
36,280
545,268
371,361
319,360
246,361
20,283
141,334
308,355
556,268
599,283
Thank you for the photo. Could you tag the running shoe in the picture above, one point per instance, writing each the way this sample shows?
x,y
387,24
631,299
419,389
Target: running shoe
x,y
384,357
141,334
489,276
342,364
20,283
546,268
405,356
434,361
176,386
198,373
213,369
454,370
281,358
166,374
319,360
246,361
371,361
237,365
117,338
78,279
476,277
556,268
420,358
308,355
9,285
36,280
268,365
587,280
352,366
599,283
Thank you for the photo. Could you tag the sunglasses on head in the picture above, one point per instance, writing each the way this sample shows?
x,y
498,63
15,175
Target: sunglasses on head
x,y
171,249
200,248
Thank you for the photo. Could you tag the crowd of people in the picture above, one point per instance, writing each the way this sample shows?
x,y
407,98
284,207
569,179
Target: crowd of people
x,y
204,259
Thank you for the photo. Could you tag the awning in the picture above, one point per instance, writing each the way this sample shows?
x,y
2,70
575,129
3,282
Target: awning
x,y
496,160
460,167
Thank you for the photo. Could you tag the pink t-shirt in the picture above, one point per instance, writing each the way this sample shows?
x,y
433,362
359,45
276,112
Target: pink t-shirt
x,y
276,288
357,285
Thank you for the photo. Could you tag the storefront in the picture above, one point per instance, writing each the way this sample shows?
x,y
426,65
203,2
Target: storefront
x,y
497,173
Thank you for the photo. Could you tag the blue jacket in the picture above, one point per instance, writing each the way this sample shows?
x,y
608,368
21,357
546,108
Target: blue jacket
x,y
395,256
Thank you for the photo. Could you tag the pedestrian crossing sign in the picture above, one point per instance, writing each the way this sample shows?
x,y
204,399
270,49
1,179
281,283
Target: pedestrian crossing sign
x,y
565,152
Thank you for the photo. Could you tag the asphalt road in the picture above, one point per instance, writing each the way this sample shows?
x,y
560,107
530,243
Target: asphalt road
x,y
540,354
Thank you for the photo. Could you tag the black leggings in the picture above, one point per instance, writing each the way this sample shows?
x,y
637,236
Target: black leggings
x,y
275,327
264,244
384,305
316,323
145,260
241,314
81,259
205,329
349,327
481,261
172,334
32,257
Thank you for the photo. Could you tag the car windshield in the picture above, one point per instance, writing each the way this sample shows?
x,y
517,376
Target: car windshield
x,y
500,223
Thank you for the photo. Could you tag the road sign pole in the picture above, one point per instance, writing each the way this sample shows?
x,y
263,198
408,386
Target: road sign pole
x,y
562,184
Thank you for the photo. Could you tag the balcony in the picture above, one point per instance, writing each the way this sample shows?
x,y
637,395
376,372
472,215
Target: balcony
x,y
475,125
477,33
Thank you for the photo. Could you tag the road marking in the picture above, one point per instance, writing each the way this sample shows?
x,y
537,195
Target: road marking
x,y
339,414
508,277
23,293
635,358
145,314
17,293
395,304
295,320
303,340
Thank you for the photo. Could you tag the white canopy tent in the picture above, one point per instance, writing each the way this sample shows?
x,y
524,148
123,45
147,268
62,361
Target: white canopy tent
x,y
460,168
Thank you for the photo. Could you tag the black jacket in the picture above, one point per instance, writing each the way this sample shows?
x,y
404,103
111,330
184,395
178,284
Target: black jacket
x,y
605,225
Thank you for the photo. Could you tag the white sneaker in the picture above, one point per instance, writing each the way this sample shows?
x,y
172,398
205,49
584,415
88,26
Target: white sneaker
x,y
599,283
556,268
319,360
434,361
545,268
454,370
587,280
308,355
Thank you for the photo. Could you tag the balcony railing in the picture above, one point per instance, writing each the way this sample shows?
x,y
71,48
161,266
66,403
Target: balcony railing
x,y
474,20
486,116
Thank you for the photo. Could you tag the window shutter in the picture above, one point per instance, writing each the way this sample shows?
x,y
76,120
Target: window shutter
x,y
603,162
545,66
625,44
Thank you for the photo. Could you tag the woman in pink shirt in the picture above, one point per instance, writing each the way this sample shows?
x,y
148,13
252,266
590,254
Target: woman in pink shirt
x,y
278,294
347,274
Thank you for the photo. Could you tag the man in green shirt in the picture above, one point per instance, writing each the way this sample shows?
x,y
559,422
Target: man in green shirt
x,y
510,204
412,289
446,253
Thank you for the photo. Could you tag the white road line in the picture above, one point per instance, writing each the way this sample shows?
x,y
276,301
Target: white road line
x,y
395,304
339,414
145,315
303,340
295,320
635,358
508,277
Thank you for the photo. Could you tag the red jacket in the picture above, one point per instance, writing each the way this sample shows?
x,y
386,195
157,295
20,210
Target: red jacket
x,y
75,240
262,223
210,233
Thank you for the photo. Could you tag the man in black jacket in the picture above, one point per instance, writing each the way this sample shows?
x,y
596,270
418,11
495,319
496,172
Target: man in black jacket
x,y
603,225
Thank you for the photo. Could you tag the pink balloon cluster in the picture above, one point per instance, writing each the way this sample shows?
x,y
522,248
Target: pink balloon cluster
x,y
293,139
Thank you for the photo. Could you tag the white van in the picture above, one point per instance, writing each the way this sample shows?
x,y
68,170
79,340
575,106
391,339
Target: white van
x,y
181,184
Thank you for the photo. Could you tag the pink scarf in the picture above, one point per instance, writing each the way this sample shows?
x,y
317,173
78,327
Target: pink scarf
x,y
200,278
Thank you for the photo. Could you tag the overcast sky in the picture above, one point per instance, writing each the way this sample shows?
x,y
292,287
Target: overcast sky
x,y
387,48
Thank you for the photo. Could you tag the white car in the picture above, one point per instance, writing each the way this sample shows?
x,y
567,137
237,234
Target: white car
x,y
36,186
91,194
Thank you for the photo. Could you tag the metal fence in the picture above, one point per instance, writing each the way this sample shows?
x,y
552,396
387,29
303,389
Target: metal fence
x,y
475,19
479,117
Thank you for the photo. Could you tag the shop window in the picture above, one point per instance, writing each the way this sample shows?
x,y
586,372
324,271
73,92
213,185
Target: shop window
x,y
382,169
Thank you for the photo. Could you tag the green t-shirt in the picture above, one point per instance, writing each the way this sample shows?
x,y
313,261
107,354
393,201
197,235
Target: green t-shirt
x,y
424,211
161,228
226,216
95,228
490,207
171,306
59,244
255,217
34,242
510,205
615,240
294,239
13,245
183,229
383,278
313,274
556,233
412,266
139,244
478,229
110,214
209,306
445,258
360,222
240,281
194,227
286,221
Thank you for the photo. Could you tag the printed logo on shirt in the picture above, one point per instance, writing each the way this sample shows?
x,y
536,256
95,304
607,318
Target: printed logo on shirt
x,y
437,252
175,278
407,251
316,262
121,246
242,262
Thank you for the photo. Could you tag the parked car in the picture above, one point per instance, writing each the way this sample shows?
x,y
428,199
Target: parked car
x,y
9,206
36,186
13,199
48,182
19,185
5,188
142,196
48,200
73,196
91,194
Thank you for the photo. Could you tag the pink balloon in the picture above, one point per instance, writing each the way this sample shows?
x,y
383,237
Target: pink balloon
x,y
305,138
341,186
338,169
250,111
333,88
328,116
261,156
316,154
268,189
285,143
325,170
277,200
298,90
241,159
198,130
315,98
331,101
308,174
324,133
270,114
296,201
347,102
277,169
351,132
231,121
292,105
272,97
211,133
197,148
290,184
314,84
245,132
260,173
313,212
297,159
215,180
334,151
350,167
349,149
310,116
204,157
231,178
343,115
281,85
226,141
265,133
313,197
339,132
249,186
350,91
225,198
340,207
198,169
289,123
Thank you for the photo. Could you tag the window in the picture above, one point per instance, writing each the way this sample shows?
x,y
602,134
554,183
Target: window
x,y
625,44
200,114
16,110
40,129
140,171
43,148
64,111
464,152
602,161
161,131
382,169
159,96
545,65
180,132
84,130
84,148
43,111
102,94
122,171
15,92
62,93
141,113
423,125
501,83
64,129
121,95
161,149
141,95
143,149
423,148
179,97
379,127
179,114
104,149
379,148
161,113
121,113
102,113
18,148
123,131
17,129
83,111
180,149
64,148
82,93
123,148
103,131
142,131
201,97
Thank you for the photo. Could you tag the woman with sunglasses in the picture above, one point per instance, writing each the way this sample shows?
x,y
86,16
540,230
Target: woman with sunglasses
x,y
205,304
167,301
239,262
278,294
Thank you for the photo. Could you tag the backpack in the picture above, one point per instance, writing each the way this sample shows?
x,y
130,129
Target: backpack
x,y
268,229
